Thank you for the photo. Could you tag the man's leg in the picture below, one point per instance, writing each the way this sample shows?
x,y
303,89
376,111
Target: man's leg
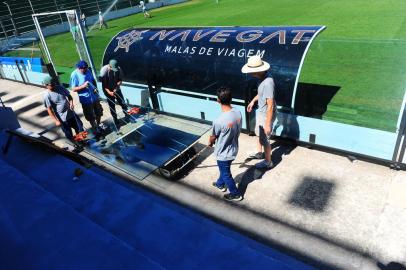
x,y
258,154
264,141
121,101
268,151
112,107
88,112
98,111
76,123
226,177
259,145
220,182
66,128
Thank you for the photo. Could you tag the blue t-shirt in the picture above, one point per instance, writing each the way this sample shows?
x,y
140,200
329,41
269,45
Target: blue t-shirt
x,y
86,96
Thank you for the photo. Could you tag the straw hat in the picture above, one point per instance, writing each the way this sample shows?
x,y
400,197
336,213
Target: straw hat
x,y
255,64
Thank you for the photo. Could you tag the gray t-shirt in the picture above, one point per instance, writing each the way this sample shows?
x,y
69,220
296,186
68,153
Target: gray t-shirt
x,y
58,101
266,90
227,130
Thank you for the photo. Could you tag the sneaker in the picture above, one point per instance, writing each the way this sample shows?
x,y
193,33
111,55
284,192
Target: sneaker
x,y
221,188
77,148
232,197
265,164
103,126
98,136
117,123
256,155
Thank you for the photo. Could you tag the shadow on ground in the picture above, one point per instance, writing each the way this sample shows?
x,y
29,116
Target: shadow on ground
x,y
280,149
312,194
391,266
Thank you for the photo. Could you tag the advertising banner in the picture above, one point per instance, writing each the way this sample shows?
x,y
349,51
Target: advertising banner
x,y
28,64
201,60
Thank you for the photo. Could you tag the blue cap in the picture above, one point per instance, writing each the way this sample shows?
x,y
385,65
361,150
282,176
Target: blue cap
x,y
82,64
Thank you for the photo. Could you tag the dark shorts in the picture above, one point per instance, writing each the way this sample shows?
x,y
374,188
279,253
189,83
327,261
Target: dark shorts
x,y
259,129
92,111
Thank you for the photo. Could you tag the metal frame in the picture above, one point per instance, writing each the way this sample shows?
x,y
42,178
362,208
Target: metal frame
x,y
292,105
400,146
81,33
11,18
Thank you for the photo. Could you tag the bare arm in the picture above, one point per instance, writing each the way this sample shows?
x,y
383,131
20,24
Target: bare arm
x,y
212,140
71,106
53,116
252,103
80,87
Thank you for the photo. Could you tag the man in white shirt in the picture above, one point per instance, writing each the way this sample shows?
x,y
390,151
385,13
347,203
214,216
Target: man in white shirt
x,y
144,10
101,21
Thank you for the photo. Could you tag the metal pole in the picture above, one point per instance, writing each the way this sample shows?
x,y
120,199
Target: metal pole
x,y
42,38
397,155
19,71
86,45
98,7
32,8
79,6
4,30
11,17
57,9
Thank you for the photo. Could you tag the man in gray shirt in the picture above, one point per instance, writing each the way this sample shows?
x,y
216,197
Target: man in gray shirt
x,y
266,111
59,104
226,130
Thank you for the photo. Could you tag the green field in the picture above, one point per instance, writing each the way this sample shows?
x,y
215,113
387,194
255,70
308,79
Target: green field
x,y
362,51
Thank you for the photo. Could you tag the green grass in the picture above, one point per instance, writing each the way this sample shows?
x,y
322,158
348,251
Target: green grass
x,y
362,51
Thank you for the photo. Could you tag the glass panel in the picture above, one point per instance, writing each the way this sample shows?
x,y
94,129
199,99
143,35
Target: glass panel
x,y
145,142
359,82
62,47
31,67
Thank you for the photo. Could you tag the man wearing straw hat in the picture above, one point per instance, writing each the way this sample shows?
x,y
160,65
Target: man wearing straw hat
x,y
266,111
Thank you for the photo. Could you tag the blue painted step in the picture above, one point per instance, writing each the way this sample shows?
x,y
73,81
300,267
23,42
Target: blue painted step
x,y
171,235
38,231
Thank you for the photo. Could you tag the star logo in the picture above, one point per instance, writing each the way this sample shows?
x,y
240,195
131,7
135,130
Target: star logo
x,y
124,42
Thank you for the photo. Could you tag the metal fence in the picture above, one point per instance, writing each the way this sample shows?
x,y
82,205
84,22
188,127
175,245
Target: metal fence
x,y
15,15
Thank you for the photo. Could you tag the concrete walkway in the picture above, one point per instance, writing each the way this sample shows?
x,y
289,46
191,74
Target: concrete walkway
x,y
319,207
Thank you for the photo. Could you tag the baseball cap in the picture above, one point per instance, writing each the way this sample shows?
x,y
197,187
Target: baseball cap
x,y
48,80
82,64
113,64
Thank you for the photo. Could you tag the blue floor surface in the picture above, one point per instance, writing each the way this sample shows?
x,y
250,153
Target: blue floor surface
x,y
49,221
